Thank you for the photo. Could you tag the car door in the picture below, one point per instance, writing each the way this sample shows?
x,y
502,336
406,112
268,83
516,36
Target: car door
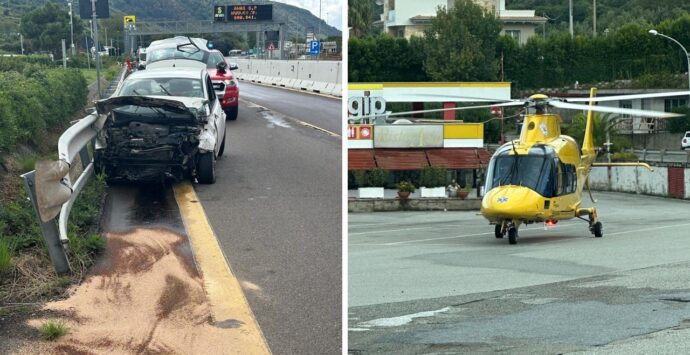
x,y
217,116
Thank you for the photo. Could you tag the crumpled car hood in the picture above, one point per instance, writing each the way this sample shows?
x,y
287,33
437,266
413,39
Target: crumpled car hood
x,y
179,104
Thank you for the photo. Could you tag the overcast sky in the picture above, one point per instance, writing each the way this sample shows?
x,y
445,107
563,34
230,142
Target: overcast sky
x,y
331,8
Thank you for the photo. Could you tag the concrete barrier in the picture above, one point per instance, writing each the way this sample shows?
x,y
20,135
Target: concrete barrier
x,y
637,180
324,77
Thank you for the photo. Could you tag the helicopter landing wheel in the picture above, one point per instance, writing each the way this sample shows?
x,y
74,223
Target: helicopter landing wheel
x,y
597,230
499,231
512,235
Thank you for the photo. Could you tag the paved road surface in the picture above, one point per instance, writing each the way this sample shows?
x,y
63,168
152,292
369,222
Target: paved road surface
x,y
437,282
318,110
276,210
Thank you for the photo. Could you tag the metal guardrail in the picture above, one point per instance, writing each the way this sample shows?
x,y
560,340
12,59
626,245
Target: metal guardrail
x,y
73,143
665,157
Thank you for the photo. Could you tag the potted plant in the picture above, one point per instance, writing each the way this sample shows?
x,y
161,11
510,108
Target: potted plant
x,y
376,179
433,181
464,191
405,188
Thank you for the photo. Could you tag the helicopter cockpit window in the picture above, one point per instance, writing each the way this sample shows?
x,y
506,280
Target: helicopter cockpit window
x,y
535,170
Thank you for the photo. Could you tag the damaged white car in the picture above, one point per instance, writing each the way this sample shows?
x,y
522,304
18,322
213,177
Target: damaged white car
x,y
161,124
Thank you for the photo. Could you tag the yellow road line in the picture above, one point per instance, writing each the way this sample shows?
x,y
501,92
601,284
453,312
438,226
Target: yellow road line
x,y
223,290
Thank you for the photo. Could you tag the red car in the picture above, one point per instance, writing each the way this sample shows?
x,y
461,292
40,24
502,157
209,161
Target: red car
x,y
186,51
224,81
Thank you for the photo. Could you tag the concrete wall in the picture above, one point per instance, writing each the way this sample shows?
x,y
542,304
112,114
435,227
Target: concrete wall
x,y
634,180
310,75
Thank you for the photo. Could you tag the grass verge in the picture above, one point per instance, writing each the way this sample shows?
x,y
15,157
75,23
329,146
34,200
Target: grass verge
x,y
30,276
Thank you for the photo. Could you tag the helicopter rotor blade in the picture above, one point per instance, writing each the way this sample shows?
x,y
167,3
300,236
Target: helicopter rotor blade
x,y
466,98
622,111
505,104
628,97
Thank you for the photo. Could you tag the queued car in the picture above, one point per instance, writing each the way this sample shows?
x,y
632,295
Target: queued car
x,y
194,52
685,141
141,58
161,124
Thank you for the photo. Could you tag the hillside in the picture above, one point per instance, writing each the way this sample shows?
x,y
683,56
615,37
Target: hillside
x,y
298,19
611,14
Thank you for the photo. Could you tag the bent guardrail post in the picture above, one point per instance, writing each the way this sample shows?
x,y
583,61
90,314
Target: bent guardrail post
x,y
49,229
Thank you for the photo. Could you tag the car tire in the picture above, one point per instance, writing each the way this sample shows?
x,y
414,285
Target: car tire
x,y
206,168
222,148
231,112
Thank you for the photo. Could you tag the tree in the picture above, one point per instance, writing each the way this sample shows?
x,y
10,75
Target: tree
x,y
45,27
360,13
461,44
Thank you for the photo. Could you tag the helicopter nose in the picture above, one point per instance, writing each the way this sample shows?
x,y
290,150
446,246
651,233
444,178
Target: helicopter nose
x,y
507,202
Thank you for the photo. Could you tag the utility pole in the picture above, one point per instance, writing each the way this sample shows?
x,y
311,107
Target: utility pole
x,y
95,44
21,42
71,27
64,54
594,21
572,33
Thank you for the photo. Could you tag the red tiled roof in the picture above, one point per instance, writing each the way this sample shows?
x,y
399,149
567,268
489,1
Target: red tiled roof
x,y
455,158
360,159
400,159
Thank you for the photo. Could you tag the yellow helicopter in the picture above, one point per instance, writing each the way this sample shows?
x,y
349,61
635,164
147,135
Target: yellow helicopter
x,y
540,177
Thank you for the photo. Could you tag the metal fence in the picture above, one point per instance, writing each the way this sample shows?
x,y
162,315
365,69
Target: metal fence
x,y
76,142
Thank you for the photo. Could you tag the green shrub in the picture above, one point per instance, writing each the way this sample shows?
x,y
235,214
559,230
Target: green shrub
x,y
52,330
360,177
433,176
624,157
5,256
405,186
378,177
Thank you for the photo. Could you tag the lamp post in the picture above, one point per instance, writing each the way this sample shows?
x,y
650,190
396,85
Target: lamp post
x,y
687,56
71,27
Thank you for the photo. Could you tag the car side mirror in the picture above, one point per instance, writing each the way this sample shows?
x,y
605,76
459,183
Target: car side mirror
x,y
234,66
222,66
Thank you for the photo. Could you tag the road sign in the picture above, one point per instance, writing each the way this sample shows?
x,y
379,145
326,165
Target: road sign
x,y
250,13
86,10
219,13
131,19
314,47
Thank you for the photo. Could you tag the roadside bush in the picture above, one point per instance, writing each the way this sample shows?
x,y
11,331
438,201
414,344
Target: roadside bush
x,y
433,176
36,99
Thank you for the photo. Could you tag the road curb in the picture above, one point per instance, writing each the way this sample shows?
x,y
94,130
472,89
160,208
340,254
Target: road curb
x,y
417,204
227,299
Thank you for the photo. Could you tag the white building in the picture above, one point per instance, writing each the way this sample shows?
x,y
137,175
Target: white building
x,y
406,18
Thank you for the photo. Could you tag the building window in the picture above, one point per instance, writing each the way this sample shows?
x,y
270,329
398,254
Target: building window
x,y
515,34
625,104
391,4
670,104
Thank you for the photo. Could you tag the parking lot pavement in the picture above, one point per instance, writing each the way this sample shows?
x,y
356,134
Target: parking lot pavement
x,y
418,278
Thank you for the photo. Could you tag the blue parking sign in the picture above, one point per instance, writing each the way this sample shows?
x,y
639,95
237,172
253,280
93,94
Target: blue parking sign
x,y
314,47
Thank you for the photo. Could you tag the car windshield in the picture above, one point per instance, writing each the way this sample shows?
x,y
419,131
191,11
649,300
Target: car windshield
x,y
534,171
163,87
142,56
213,60
173,53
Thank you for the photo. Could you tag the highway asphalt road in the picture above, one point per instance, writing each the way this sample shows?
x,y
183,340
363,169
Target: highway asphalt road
x,y
439,282
276,210
319,110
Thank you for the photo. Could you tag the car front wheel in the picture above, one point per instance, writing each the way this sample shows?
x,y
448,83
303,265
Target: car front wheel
x,y
206,168
231,112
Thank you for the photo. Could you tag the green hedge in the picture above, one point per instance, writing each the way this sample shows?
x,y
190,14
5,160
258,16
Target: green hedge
x,y
34,98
